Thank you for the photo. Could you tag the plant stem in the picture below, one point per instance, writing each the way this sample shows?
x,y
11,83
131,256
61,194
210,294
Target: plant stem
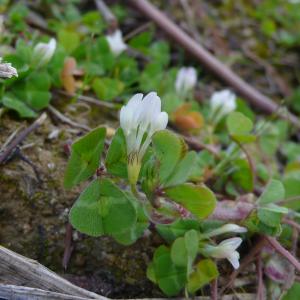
x,y
281,250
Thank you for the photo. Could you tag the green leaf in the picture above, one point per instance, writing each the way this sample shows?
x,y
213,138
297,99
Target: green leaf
x,y
184,250
170,278
170,149
206,270
238,124
293,293
151,273
183,170
151,77
116,158
199,200
37,90
273,192
291,181
160,53
101,209
177,229
268,217
85,157
107,88
129,236
242,174
70,40
13,103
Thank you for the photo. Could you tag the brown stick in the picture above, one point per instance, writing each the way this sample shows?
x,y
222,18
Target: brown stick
x,y
21,137
107,14
254,97
66,120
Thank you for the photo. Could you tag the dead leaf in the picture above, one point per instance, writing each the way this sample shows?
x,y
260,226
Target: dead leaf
x,y
68,73
187,120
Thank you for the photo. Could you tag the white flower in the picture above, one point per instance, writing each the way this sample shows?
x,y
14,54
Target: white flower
x,y
186,80
116,43
225,229
223,103
226,249
7,71
43,52
140,119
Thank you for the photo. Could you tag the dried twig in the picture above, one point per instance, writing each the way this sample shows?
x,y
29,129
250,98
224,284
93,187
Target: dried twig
x,y
281,250
136,31
292,223
20,270
198,146
107,14
89,100
254,96
68,246
291,275
66,120
6,153
26,293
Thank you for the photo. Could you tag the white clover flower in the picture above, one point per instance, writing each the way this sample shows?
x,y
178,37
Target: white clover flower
x,y
43,52
225,229
7,71
140,119
116,43
186,80
222,103
226,249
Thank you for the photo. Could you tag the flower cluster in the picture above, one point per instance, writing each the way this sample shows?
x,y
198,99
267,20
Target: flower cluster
x,y
140,119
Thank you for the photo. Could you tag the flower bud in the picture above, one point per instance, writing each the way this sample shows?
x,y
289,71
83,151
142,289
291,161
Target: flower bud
x,y
186,80
43,52
116,43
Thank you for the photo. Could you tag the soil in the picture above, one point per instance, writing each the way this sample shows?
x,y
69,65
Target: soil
x,y
34,215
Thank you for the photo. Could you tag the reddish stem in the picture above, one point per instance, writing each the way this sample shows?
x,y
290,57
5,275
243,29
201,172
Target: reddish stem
x,y
281,250
214,289
260,283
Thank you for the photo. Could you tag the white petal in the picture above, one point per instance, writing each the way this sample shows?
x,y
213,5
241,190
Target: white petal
x,y
232,243
160,122
234,259
225,229
116,42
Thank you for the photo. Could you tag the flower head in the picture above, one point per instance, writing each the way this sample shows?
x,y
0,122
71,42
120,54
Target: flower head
x,y
222,103
7,71
226,249
43,52
186,80
116,43
225,229
140,119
